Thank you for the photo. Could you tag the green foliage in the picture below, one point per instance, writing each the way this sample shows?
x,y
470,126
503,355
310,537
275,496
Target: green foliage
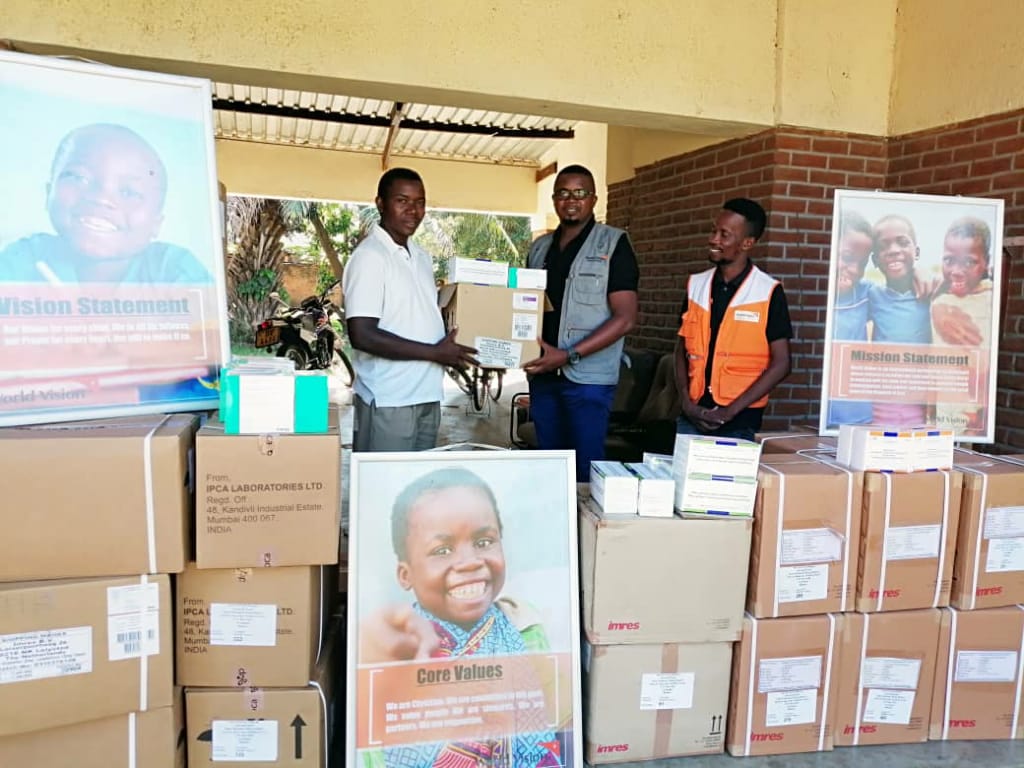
x,y
260,285
444,234
324,276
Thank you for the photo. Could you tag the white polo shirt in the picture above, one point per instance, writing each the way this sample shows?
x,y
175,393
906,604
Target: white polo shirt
x,y
396,286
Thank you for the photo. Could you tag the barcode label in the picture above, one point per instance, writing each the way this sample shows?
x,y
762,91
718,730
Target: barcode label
x,y
133,621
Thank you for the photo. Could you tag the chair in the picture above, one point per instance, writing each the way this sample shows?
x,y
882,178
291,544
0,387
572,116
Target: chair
x,y
636,375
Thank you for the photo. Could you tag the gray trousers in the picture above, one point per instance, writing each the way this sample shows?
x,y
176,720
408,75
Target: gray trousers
x,y
405,428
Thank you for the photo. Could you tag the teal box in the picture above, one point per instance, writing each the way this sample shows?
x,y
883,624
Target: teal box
x,y
310,403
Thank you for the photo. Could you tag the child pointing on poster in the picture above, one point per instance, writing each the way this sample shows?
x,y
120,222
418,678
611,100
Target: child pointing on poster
x,y
105,200
447,534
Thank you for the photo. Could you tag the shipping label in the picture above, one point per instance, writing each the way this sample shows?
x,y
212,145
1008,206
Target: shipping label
x,y
524,327
1005,555
1004,522
498,353
814,545
888,672
47,653
798,583
243,624
244,741
912,542
986,666
791,707
133,621
789,674
888,707
526,302
668,690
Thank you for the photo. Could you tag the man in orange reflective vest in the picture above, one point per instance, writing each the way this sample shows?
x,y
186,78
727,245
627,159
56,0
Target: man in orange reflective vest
x,y
734,338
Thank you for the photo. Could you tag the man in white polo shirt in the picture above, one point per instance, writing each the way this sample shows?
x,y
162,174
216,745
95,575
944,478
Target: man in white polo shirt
x,y
395,326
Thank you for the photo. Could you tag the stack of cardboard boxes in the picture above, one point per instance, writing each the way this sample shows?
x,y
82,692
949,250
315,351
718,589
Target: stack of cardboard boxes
x,y
979,675
850,638
256,651
662,607
86,643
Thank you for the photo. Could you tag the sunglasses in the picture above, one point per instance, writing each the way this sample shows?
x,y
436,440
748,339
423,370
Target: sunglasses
x,y
574,194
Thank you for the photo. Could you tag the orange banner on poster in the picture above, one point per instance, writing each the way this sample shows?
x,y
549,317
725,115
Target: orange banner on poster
x,y
908,373
453,699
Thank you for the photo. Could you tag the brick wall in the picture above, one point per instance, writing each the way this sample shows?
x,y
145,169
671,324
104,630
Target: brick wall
x,y
667,208
980,158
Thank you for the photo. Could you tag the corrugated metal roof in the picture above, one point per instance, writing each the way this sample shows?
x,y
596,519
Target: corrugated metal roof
x,y
320,133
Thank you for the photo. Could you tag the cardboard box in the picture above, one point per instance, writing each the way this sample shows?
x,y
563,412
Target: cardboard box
x,y
259,727
793,442
502,324
250,626
267,500
657,489
978,691
715,476
79,650
654,580
140,739
614,488
784,684
520,277
988,571
805,546
643,702
257,399
908,539
122,486
477,271
887,671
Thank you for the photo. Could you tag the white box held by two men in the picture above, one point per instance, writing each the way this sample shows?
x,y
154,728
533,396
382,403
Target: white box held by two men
x,y
478,271
715,475
876,448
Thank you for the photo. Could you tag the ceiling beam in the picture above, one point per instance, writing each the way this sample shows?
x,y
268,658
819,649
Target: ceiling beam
x,y
397,113
381,121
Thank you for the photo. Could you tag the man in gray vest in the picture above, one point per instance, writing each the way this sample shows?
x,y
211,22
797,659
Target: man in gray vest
x,y
592,284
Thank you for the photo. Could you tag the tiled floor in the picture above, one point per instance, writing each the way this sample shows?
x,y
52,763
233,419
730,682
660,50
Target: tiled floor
x,y
461,424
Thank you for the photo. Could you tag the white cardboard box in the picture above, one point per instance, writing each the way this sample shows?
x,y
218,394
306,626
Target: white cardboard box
x,y
477,271
520,277
614,488
715,476
657,489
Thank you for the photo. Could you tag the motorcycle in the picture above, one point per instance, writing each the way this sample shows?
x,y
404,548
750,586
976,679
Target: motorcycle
x,y
305,334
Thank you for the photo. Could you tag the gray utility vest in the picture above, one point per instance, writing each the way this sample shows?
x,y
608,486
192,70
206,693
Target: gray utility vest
x,y
585,303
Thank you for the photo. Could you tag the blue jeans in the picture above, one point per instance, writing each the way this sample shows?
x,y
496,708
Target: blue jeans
x,y
686,427
572,416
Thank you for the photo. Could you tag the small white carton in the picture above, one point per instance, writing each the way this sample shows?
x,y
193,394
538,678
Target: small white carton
x,y
658,459
871,448
477,271
521,277
657,489
614,488
933,448
715,475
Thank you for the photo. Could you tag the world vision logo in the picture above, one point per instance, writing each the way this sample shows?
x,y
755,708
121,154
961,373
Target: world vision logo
x,y
623,626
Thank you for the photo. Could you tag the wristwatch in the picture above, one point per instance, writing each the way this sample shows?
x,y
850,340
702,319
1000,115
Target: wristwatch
x,y
574,356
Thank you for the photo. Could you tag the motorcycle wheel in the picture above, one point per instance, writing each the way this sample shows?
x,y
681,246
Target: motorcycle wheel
x,y
294,353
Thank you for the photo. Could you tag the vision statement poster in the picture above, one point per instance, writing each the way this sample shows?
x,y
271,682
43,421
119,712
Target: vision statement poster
x,y
111,258
913,310
463,634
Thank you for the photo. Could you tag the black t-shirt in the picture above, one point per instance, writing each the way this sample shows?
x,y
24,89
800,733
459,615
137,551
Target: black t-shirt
x,y
623,274
778,327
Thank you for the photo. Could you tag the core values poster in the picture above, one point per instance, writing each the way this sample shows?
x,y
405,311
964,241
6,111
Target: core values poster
x,y
463,633
111,258
913,310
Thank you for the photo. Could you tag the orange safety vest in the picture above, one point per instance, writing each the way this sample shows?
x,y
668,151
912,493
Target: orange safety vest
x,y
741,353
